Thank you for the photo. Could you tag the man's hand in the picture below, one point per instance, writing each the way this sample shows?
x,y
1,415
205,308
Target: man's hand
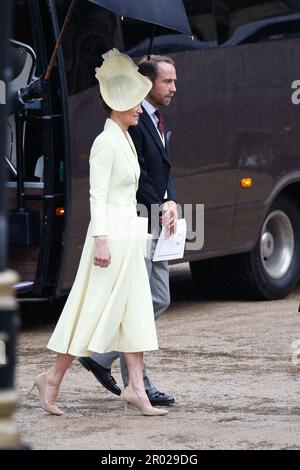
x,y
36,90
102,255
169,217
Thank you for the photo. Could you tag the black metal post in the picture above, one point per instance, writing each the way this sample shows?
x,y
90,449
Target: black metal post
x,y
4,15
9,438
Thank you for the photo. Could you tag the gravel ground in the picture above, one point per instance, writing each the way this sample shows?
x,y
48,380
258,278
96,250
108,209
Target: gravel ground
x,y
228,364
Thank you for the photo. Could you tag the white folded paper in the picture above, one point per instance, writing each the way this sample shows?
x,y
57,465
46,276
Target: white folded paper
x,y
172,247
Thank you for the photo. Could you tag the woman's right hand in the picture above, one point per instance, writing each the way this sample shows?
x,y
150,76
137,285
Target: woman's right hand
x,y
102,255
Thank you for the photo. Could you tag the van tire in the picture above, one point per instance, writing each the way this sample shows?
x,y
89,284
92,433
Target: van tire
x,y
270,271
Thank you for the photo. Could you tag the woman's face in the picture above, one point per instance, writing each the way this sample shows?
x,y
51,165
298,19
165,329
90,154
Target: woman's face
x,y
131,116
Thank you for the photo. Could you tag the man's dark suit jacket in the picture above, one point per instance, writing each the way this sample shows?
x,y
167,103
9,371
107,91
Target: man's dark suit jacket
x,y
154,160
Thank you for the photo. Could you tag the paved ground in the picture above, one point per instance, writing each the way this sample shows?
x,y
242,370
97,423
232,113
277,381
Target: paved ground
x,y
228,363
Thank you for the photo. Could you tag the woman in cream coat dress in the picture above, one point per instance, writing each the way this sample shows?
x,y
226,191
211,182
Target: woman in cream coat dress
x,y
110,306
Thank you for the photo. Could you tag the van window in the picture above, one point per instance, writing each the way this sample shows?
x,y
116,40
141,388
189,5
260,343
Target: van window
x,y
91,32
21,19
264,20
202,20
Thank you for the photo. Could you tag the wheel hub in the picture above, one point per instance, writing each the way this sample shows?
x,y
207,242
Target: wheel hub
x,y
267,243
277,244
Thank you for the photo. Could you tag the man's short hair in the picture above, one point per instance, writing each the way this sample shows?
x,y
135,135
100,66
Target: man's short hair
x,y
149,67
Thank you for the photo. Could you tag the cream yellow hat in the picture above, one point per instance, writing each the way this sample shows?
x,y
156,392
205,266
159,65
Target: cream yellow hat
x,y
122,87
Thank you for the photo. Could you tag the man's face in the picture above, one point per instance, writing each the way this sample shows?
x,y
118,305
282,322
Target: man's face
x,y
164,87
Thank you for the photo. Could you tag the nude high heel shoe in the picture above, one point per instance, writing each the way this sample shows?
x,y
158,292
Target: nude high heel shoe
x,y
40,382
147,410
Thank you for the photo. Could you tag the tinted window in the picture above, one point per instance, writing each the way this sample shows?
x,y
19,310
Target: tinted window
x,y
264,19
202,20
91,32
273,31
21,23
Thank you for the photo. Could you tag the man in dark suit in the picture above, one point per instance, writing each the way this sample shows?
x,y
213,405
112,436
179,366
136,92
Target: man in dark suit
x,y
156,191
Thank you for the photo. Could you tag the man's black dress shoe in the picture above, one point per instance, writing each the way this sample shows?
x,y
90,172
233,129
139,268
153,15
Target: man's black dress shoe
x,y
159,398
102,375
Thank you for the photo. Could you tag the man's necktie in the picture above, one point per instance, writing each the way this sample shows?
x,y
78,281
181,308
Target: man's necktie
x,y
160,124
